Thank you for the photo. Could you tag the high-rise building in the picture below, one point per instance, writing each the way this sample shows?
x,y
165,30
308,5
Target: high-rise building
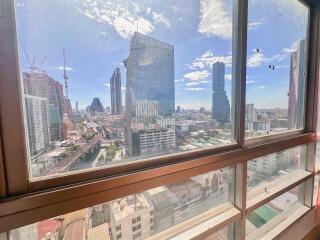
x,y
297,86
40,84
220,101
250,116
150,73
96,107
115,89
37,122
150,77
77,107
145,108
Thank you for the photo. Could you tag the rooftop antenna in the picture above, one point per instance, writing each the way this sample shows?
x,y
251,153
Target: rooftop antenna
x,y
65,72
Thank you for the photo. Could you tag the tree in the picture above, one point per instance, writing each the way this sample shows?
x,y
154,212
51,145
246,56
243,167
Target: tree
x,y
111,151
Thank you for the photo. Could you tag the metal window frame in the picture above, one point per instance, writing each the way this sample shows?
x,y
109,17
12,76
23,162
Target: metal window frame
x,y
14,118
26,202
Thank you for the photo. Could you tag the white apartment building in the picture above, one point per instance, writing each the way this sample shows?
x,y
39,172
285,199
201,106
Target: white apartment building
x,y
157,140
132,218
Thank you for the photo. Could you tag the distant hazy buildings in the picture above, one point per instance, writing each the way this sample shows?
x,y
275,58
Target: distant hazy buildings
x,y
150,72
96,107
297,86
220,101
115,89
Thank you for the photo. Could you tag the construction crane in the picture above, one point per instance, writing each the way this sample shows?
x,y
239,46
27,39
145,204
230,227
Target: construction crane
x,y
32,64
65,72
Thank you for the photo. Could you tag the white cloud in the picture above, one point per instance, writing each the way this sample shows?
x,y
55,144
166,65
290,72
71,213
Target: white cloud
x,y
261,87
249,81
282,11
190,84
294,47
159,18
259,58
67,68
126,17
254,25
214,19
107,85
228,77
179,80
123,88
195,89
209,58
20,5
256,60
196,75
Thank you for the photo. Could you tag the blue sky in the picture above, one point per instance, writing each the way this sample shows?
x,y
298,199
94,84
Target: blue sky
x,y
96,35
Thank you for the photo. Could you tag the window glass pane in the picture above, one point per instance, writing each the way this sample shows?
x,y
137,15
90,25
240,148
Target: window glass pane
x,y
108,82
315,189
168,211
276,66
271,172
317,163
227,233
265,218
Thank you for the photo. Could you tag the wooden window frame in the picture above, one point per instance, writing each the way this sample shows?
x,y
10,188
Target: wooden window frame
x,y
24,202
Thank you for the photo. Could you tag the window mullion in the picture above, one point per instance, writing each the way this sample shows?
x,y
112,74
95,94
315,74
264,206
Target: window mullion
x,y
3,191
311,112
239,59
12,127
240,198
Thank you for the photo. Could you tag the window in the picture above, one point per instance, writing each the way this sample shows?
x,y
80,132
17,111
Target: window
x,y
136,235
315,190
276,66
118,227
119,236
152,119
276,214
136,220
174,204
224,234
274,172
137,227
104,84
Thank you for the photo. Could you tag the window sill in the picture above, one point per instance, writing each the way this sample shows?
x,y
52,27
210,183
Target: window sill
x,y
203,225
258,196
279,224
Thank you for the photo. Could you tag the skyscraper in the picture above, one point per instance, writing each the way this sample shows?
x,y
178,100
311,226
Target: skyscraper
x,y
297,86
250,116
150,77
77,107
96,107
40,84
115,89
150,73
37,122
220,101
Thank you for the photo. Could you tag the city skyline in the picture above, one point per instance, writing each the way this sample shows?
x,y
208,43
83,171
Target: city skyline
x,y
202,40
